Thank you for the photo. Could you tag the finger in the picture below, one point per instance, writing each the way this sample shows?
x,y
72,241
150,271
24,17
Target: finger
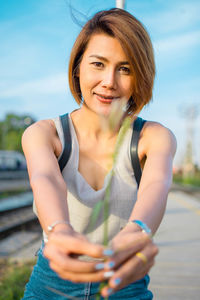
x,y
73,244
134,269
130,269
66,263
117,283
129,249
79,277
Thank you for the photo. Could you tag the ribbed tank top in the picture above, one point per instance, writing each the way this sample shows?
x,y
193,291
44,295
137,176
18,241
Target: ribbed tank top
x,y
82,198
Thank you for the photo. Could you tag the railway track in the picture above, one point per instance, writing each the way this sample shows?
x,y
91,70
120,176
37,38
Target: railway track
x,y
19,226
16,214
18,219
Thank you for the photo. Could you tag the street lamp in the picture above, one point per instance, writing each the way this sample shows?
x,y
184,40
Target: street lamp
x,y
120,3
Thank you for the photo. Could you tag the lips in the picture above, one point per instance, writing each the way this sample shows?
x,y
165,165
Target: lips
x,y
106,98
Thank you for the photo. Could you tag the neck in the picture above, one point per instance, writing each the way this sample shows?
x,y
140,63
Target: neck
x,y
92,124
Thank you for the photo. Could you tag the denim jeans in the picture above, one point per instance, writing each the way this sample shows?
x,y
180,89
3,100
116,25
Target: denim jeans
x,y
44,281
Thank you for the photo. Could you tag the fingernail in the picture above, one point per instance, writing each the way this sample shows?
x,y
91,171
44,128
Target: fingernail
x,y
117,281
110,265
108,274
109,291
99,266
108,252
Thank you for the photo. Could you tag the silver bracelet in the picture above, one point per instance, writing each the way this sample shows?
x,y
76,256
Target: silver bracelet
x,y
143,226
51,227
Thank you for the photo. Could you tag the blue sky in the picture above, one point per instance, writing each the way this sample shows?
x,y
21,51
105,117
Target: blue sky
x,y
37,36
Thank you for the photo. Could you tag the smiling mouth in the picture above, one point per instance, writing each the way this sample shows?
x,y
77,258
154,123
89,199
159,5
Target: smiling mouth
x,y
105,98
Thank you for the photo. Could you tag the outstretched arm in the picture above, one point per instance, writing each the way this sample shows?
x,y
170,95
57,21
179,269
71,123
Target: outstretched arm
x,y
49,189
42,147
158,145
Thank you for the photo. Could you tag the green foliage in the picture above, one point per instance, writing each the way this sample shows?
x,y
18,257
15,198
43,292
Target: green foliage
x,y
11,130
193,180
16,192
14,280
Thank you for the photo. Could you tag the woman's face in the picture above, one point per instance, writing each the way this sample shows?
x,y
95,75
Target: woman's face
x,y
104,74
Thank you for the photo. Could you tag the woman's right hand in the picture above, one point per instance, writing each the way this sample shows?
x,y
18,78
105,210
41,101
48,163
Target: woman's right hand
x,y
63,250
134,255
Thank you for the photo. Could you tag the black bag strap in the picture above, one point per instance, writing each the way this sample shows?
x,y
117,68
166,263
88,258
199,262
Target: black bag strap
x,y
137,127
67,141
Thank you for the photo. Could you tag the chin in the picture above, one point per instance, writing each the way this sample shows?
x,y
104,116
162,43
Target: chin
x,y
104,112
101,110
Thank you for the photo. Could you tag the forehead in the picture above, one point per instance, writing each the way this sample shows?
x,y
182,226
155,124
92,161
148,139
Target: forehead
x,y
106,46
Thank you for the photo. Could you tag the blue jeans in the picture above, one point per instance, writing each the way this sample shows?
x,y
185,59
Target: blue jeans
x,y
44,281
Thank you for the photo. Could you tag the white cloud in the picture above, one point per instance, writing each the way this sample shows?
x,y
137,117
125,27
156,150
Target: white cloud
x,y
175,16
178,42
56,84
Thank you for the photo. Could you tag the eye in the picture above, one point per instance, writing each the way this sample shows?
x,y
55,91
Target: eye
x,y
97,64
124,70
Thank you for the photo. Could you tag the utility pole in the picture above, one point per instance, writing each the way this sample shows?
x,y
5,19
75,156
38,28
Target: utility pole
x,y
120,3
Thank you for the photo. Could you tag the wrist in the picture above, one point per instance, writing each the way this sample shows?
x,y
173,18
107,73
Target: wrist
x,y
59,226
131,227
140,226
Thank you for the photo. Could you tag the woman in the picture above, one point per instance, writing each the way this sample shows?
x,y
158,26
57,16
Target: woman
x,y
111,62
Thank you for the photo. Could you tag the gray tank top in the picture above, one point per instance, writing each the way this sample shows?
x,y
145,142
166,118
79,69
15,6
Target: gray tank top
x,y
82,197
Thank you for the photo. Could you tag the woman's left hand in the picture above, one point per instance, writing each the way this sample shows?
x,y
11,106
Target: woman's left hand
x,y
133,258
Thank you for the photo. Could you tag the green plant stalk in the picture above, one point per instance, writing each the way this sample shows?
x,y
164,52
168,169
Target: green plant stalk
x,y
106,210
120,139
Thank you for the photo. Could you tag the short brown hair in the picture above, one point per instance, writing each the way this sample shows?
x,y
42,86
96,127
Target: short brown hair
x,y
136,44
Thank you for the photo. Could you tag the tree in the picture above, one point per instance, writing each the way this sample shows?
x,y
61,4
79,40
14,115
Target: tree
x,y
11,130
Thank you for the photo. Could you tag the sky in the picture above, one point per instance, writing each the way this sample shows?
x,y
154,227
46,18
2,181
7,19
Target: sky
x,y
36,39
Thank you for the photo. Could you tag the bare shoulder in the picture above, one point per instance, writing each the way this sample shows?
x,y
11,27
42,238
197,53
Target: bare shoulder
x,y
40,127
41,132
157,137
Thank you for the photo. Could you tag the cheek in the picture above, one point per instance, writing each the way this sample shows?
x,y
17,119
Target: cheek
x,y
84,84
128,87
88,80
131,86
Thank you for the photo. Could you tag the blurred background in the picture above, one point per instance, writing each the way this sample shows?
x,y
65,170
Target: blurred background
x,y
36,40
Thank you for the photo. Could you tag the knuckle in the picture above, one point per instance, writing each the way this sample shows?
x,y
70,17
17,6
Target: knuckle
x,y
74,243
155,250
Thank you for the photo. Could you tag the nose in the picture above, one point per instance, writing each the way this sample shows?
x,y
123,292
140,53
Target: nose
x,y
109,79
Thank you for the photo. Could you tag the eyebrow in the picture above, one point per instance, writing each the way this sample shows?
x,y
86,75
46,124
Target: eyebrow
x,y
106,60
